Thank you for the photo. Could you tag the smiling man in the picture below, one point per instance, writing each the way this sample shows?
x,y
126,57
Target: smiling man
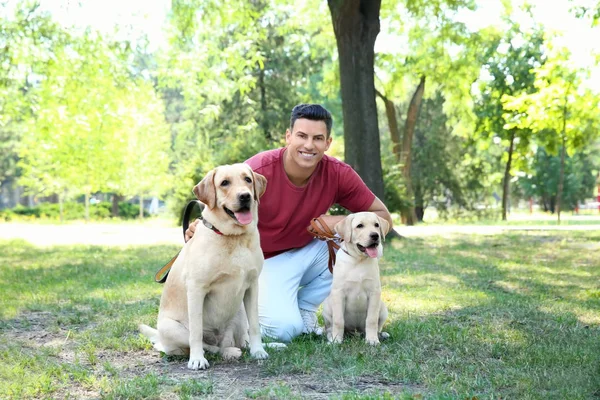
x,y
302,184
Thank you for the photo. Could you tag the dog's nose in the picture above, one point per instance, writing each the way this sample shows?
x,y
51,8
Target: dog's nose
x,y
244,197
374,236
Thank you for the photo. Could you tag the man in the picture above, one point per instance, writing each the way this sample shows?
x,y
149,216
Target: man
x,y
302,184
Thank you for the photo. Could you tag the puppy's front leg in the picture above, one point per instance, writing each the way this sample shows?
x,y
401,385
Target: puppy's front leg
x,y
251,306
196,297
372,321
337,316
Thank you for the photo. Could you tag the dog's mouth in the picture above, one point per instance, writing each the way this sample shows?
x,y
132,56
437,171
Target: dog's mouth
x,y
370,250
243,215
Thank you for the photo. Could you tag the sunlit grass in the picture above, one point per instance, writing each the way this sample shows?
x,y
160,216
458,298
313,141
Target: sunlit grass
x,y
510,316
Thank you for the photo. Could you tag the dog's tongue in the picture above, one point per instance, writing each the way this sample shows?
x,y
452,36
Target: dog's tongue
x,y
243,217
371,251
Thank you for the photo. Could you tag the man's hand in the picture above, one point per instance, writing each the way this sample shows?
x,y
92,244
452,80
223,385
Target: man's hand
x,y
332,220
191,230
376,207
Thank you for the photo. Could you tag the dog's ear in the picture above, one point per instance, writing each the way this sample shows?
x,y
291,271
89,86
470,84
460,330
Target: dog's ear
x,y
260,184
344,228
384,227
205,190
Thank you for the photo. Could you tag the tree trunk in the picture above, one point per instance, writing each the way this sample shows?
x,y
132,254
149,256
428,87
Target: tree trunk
x,y
409,128
506,182
561,177
115,205
61,207
87,206
141,207
263,104
390,112
356,26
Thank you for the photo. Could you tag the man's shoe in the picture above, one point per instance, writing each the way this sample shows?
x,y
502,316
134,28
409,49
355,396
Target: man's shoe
x,y
311,324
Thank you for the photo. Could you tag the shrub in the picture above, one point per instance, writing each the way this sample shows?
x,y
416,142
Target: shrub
x,y
71,211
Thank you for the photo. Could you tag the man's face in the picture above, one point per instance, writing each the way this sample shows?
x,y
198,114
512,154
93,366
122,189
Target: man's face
x,y
307,142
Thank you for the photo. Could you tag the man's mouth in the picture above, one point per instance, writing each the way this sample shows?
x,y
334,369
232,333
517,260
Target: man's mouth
x,y
243,216
370,251
306,155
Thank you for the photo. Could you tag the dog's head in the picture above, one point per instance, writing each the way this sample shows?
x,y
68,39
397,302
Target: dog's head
x,y
364,233
231,193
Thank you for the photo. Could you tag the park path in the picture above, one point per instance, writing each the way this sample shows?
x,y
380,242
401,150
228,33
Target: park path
x,y
152,232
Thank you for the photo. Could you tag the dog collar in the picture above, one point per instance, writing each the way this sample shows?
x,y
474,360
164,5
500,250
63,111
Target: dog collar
x,y
210,226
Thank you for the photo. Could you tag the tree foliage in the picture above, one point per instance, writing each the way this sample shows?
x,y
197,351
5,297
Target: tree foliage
x,y
463,113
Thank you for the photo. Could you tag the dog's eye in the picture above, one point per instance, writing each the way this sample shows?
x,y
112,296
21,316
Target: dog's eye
x,y
360,226
248,179
225,183
376,225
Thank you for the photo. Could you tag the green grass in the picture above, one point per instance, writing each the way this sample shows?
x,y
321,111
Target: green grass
x,y
507,316
516,218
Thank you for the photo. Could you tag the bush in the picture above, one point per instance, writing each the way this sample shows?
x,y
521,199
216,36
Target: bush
x,y
71,211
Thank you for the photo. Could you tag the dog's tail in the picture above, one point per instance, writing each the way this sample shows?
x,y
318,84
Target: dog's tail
x,y
152,335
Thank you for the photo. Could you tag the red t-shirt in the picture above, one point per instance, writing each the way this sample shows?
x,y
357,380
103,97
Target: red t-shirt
x,y
285,210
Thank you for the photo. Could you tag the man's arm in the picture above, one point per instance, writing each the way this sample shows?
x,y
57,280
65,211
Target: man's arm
x,y
377,207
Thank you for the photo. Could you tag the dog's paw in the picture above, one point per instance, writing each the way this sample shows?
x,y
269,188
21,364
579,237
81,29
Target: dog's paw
x,y
384,335
231,353
275,345
334,340
372,341
198,363
259,354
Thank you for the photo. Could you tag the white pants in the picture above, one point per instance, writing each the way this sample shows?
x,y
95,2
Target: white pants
x,y
298,278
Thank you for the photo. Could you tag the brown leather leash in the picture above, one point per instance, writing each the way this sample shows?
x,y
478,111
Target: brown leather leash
x,y
319,229
162,274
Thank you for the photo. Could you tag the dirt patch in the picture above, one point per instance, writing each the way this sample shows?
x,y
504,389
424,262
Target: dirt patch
x,y
229,380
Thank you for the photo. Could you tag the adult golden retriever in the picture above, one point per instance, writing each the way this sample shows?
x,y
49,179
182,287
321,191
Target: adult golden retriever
x,y
354,303
215,273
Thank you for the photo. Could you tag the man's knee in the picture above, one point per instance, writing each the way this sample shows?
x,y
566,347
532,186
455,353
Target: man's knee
x,y
283,330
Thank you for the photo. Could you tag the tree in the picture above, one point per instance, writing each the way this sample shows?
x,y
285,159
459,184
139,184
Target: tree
x,y
509,64
588,10
563,113
237,105
28,38
95,128
356,26
437,156
440,53
579,181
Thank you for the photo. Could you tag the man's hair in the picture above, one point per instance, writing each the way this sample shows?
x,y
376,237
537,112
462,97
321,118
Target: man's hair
x,y
314,112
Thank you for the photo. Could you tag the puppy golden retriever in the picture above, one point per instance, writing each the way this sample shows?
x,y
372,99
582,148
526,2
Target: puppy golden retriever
x,y
354,303
216,271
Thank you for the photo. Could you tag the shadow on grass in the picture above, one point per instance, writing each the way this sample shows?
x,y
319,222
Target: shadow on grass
x,y
71,286
510,316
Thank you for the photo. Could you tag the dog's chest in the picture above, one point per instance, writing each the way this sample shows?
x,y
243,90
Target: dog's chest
x,y
357,283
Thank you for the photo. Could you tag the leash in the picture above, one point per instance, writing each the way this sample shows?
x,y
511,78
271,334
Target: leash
x,y
319,229
161,274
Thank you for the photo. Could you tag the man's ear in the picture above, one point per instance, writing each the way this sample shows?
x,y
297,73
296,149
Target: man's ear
x,y
328,142
260,185
384,227
205,190
344,228
288,136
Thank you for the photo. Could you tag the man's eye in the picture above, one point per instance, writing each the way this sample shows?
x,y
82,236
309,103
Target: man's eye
x,y
248,179
225,183
376,225
360,226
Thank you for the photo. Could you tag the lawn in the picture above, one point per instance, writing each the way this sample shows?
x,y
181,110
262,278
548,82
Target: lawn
x,y
511,316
